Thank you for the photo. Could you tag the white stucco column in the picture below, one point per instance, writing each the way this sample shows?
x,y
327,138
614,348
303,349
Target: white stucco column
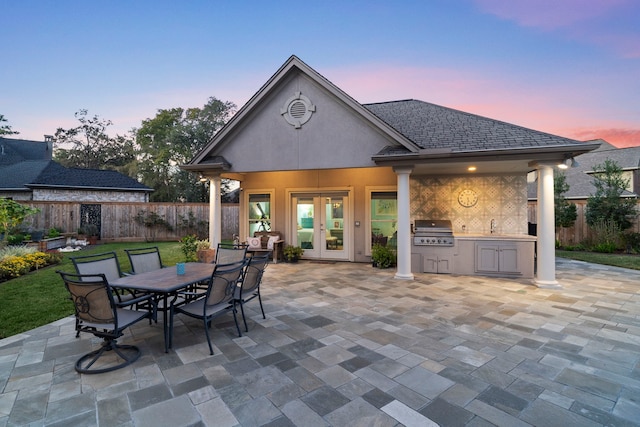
x,y
546,253
215,212
404,224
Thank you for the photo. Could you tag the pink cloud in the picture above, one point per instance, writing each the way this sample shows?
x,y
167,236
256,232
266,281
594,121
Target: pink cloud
x,y
592,22
560,109
619,137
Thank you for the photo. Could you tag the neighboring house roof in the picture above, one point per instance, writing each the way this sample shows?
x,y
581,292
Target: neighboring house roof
x,y
27,164
16,176
55,175
581,183
13,151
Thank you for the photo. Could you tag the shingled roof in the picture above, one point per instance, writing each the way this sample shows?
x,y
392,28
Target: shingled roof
x,y
55,175
13,151
27,164
432,126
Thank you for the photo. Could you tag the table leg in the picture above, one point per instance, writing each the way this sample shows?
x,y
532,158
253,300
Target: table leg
x,y
165,323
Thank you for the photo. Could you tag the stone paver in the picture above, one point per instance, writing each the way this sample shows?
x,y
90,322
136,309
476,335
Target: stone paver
x,y
347,345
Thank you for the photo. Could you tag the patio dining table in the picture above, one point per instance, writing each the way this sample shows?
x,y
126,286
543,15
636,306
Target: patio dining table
x,y
165,283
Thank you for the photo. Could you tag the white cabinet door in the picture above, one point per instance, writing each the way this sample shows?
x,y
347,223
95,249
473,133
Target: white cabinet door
x,y
494,258
487,258
508,259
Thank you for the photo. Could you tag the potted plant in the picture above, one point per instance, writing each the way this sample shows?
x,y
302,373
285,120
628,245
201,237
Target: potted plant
x,y
204,251
292,253
382,256
91,230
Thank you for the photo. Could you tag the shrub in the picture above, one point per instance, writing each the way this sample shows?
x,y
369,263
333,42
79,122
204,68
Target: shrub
x,y
632,241
578,247
189,247
605,234
293,253
18,250
15,239
383,256
605,247
13,266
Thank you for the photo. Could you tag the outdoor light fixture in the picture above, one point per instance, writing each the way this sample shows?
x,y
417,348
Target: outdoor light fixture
x,y
471,168
570,162
203,178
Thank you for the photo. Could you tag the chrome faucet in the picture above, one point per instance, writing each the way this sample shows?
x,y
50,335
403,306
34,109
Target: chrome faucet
x,y
493,226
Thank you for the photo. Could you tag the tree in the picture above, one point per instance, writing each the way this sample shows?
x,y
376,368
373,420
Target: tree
x,y
172,138
4,128
607,204
93,148
12,214
565,213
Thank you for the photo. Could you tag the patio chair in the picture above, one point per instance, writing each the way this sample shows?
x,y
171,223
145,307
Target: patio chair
x,y
98,313
107,263
103,263
144,259
218,300
228,253
249,288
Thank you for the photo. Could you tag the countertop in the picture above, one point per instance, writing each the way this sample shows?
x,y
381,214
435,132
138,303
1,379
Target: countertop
x,y
501,237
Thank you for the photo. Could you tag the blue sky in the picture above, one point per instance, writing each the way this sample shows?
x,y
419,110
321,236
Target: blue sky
x,y
568,67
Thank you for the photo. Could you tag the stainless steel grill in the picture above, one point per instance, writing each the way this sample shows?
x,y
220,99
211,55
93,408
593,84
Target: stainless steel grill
x,y
433,232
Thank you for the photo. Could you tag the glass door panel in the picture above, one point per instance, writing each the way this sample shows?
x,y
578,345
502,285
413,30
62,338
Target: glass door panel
x,y
333,224
320,225
305,214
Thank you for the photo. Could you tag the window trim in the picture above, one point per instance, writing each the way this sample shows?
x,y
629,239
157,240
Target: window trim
x,y
369,190
244,225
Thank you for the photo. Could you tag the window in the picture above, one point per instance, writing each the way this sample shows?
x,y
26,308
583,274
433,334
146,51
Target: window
x,y
259,210
384,218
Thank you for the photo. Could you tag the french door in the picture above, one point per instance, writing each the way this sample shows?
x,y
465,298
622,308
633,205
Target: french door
x,y
322,224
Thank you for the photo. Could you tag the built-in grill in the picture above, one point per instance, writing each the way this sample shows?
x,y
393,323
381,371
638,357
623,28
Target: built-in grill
x,y
433,232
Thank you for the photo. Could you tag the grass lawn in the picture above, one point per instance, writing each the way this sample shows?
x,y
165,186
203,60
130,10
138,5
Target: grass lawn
x,y
617,260
40,297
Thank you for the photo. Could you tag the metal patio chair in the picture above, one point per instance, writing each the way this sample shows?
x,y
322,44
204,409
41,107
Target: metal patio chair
x,y
249,288
98,313
144,259
107,263
228,253
218,300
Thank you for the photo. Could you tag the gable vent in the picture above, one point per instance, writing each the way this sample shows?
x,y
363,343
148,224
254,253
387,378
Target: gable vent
x,y
297,110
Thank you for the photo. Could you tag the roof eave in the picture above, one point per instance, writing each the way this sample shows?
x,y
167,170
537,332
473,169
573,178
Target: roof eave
x,y
557,152
80,187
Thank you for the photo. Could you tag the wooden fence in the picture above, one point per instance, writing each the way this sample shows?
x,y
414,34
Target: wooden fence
x,y
117,220
580,230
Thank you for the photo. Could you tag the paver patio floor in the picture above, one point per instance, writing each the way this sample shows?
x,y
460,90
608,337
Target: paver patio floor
x,y
347,345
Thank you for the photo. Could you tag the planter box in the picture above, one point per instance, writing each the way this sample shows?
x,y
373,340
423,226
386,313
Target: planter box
x,y
207,256
52,243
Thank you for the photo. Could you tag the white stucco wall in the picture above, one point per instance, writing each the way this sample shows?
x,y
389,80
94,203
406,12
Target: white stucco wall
x,y
333,138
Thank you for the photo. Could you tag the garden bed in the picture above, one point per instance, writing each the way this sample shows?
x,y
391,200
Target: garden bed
x,y
52,243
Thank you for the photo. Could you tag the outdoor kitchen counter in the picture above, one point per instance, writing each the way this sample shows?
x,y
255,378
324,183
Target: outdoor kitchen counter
x,y
473,236
505,255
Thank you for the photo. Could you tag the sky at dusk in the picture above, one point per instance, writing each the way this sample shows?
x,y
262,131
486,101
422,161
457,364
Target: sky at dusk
x,y
567,67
